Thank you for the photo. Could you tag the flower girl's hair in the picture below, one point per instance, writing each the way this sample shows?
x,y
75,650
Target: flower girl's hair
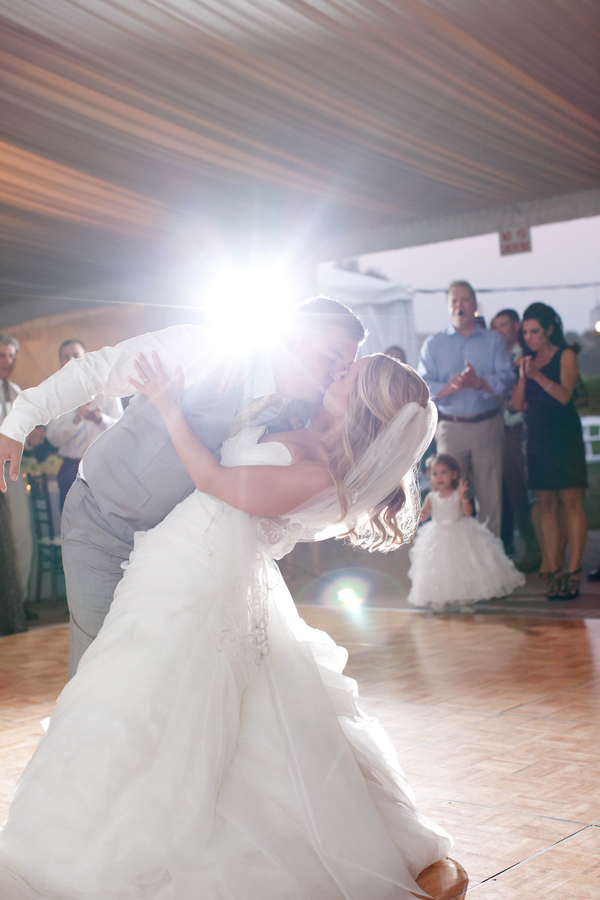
x,y
446,460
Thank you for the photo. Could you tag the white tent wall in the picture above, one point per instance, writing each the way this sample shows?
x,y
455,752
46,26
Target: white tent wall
x,y
384,307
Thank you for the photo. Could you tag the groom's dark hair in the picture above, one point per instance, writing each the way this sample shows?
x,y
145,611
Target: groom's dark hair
x,y
321,314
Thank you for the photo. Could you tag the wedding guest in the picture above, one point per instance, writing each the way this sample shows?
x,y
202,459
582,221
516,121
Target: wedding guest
x,y
467,368
73,432
12,612
515,500
18,508
555,448
396,352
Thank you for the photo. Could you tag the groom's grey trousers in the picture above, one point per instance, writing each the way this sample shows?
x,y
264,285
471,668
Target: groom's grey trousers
x,y
133,479
92,556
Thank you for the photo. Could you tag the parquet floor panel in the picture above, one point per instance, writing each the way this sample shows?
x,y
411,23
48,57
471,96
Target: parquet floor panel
x,y
489,841
569,870
496,721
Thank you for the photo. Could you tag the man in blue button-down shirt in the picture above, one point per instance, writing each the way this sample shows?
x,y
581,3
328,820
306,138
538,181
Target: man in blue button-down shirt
x,y
467,368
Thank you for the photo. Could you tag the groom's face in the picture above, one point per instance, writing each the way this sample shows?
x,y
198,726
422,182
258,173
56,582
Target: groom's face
x,y
316,360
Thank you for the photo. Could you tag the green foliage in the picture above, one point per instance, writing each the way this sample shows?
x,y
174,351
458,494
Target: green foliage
x,y
591,501
592,407
589,355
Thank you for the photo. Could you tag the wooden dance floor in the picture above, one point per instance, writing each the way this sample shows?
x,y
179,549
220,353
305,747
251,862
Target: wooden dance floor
x,y
496,720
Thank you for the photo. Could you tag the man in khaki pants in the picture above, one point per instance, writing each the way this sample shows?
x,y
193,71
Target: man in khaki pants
x,y
467,368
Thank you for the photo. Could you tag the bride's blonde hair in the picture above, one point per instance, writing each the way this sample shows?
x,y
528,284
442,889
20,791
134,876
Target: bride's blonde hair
x,y
381,389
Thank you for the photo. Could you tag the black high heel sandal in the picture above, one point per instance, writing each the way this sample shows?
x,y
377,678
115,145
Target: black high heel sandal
x,y
569,588
553,585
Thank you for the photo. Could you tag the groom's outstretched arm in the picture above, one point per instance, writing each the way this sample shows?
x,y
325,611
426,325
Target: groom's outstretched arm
x,y
103,371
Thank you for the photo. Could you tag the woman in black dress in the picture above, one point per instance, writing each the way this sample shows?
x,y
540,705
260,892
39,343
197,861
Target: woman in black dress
x,y
555,448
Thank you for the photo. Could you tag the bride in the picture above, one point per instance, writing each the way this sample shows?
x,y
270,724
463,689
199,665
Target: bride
x,y
209,747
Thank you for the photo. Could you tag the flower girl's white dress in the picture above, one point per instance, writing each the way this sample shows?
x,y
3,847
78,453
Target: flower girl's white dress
x,y
455,559
178,768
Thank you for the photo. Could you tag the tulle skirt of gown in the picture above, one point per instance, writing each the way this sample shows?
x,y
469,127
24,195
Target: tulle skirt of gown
x,y
457,563
176,769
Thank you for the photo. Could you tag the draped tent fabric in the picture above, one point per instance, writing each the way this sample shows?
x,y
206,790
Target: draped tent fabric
x,y
138,133
385,308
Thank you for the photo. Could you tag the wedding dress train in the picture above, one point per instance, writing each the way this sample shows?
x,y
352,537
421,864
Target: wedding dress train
x,y
189,761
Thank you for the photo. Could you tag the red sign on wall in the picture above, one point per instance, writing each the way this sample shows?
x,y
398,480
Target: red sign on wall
x,y
515,240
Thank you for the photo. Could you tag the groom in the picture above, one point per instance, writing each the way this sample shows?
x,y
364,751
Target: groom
x,y
131,477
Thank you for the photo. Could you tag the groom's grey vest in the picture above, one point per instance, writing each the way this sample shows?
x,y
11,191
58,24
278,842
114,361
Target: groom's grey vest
x,y
133,469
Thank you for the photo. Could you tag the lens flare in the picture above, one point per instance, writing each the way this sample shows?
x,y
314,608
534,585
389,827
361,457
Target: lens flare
x,y
248,307
350,589
350,600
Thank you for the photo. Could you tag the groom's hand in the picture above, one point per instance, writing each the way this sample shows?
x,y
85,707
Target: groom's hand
x,y
10,451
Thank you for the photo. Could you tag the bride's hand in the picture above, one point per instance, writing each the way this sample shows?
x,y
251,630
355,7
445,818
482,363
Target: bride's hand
x,y
163,392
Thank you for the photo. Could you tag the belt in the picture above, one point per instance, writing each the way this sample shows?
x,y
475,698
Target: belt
x,y
469,419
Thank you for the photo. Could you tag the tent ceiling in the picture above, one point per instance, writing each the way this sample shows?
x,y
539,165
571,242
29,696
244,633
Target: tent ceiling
x,y
139,133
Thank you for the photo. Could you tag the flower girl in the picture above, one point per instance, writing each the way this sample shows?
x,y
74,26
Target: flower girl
x,y
455,559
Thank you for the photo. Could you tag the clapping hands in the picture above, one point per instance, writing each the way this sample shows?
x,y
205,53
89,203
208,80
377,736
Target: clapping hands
x,y
529,369
455,384
468,378
87,412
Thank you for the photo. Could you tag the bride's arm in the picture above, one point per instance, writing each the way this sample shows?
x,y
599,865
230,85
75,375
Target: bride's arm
x,y
261,490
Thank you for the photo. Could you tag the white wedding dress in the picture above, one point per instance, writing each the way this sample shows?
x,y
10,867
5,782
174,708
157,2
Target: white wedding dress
x,y
455,560
186,762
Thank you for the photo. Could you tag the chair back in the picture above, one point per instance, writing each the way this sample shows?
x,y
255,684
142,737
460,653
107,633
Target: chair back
x,y
39,504
591,437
